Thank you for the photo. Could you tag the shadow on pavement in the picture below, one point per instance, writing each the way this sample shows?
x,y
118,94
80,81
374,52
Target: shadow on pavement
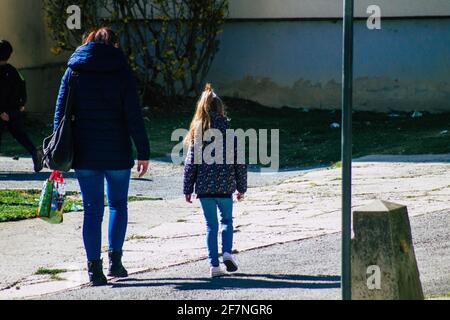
x,y
19,176
414,158
237,281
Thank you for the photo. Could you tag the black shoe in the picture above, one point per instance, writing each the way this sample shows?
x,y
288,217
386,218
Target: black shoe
x,y
96,276
116,268
38,161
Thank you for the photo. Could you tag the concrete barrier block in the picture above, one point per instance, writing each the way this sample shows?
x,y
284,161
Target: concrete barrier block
x,y
384,264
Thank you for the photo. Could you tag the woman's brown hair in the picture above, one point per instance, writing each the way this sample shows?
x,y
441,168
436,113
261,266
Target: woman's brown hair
x,y
102,35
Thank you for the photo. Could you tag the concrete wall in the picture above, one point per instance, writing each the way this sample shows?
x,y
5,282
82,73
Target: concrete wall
x,y
261,9
22,23
281,62
404,66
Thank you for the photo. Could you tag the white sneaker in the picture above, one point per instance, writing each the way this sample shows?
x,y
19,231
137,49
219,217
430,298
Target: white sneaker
x,y
230,262
217,272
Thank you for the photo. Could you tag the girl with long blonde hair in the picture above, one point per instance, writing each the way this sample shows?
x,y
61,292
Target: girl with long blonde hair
x,y
214,183
209,104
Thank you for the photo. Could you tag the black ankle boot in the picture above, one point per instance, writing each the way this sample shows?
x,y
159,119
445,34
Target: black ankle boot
x,y
116,268
96,276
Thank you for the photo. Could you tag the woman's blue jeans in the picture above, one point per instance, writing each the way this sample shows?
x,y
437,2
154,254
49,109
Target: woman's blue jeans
x,y
225,206
92,185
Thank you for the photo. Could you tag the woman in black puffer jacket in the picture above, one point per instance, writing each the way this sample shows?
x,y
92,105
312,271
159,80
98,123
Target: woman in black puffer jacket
x,y
107,118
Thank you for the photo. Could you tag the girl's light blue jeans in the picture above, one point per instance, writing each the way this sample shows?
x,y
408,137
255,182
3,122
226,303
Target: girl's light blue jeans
x,y
225,206
92,185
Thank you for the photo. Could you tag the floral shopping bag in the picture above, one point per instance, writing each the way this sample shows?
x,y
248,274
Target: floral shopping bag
x,y
52,199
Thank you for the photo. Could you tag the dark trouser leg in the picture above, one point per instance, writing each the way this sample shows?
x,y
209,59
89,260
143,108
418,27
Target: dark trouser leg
x,y
2,127
17,130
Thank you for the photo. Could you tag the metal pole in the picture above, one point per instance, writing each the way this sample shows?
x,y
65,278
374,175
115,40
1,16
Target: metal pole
x,y
347,97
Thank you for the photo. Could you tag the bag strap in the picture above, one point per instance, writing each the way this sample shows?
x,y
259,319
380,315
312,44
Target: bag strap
x,y
69,102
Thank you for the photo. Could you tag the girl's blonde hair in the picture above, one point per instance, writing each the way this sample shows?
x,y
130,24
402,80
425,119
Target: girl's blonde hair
x,y
208,102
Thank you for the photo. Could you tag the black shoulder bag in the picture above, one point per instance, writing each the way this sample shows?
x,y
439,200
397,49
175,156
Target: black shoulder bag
x,y
58,148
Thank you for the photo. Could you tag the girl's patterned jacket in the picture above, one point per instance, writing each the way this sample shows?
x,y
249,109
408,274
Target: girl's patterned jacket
x,y
215,179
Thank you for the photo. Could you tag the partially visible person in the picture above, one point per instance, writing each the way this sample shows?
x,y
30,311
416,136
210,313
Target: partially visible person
x,y
13,98
107,118
214,183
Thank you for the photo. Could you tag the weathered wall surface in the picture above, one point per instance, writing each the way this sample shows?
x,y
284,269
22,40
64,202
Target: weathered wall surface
x,y
270,9
22,23
403,66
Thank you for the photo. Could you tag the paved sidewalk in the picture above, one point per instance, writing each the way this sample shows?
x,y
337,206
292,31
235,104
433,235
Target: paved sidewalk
x,y
300,270
170,232
164,179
